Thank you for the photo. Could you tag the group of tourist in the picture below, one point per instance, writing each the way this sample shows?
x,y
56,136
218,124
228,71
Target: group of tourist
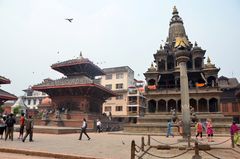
x,y
208,126
7,126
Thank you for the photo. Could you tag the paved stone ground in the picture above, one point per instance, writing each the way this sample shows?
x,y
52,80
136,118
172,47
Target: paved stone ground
x,y
20,156
109,146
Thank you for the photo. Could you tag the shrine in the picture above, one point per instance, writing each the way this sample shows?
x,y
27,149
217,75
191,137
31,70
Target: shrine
x,y
178,69
76,96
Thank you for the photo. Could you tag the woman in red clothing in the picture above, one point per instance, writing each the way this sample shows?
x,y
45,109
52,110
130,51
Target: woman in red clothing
x,y
234,130
210,130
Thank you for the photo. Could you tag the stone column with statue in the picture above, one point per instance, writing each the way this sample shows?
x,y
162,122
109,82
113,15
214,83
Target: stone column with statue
x,y
182,55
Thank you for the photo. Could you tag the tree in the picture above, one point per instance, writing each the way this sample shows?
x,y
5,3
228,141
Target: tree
x,y
16,110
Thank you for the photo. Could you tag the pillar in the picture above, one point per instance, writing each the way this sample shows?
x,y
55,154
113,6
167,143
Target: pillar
x,y
156,107
182,58
185,99
208,110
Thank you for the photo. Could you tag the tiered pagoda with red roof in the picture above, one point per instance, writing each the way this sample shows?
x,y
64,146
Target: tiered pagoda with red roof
x,y
78,95
4,96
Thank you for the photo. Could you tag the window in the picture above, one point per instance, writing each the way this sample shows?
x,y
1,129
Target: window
x,y
119,75
119,86
108,109
29,93
234,107
119,97
109,86
34,102
132,109
118,108
108,76
29,101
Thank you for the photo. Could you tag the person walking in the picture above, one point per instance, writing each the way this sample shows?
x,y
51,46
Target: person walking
x,y
2,127
10,121
209,130
199,129
99,126
29,129
234,130
22,122
169,128
83,130
180,127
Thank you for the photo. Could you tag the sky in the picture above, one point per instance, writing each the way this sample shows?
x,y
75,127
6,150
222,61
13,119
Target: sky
x,y
34,35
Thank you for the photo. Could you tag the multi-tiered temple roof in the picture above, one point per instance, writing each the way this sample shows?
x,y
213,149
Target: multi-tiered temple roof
x,y
79,66
80,80
4,96
79,90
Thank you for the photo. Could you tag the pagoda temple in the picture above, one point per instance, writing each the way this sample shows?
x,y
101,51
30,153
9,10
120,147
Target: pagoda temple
x,y
77,95
5,96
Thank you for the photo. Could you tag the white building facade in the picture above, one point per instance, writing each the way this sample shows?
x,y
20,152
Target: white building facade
x,y
33,98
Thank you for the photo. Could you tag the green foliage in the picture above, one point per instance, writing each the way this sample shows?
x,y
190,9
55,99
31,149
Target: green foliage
x,y
16,110
1,109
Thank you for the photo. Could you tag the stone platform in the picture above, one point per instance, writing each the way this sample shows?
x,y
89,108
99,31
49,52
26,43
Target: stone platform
x,y
157,123
54,129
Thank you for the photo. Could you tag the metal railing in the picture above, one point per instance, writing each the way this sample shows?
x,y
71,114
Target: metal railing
x,y
139,151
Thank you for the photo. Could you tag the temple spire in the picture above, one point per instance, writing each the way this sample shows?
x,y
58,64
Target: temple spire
x,y
174,10
176,28
208,60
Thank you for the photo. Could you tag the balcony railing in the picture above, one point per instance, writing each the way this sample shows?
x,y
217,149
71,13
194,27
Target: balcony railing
x,y
132,103
133,113
176,90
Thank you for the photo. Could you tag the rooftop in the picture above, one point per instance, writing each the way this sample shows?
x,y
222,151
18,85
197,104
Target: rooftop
x,y
117,69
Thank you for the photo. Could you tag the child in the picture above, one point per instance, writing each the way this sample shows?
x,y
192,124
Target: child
x,y
199,129
209,130
169,128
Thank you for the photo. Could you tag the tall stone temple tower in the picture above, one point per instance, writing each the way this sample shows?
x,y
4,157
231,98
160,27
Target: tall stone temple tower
x,y
163,77
163,91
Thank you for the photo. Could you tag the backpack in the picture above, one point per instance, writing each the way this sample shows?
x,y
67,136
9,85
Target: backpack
x,y
29,124
10,122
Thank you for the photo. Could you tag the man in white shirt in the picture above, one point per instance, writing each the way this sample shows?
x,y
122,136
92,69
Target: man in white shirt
x,y
83,130
99,125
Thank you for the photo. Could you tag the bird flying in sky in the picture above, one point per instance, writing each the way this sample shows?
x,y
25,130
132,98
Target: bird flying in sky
x,y
69,19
